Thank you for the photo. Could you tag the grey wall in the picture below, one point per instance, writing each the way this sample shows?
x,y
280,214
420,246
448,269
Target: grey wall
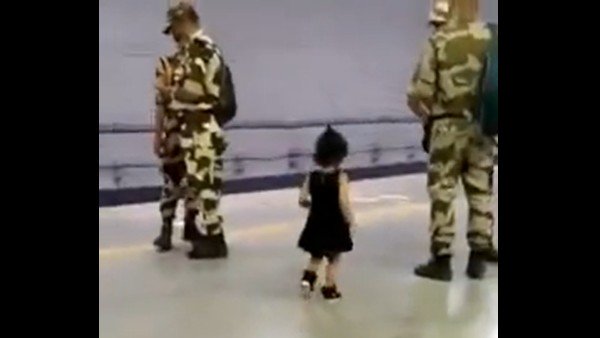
x,y
292,60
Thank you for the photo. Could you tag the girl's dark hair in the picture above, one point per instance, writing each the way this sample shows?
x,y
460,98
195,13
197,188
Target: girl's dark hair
x,y
331,148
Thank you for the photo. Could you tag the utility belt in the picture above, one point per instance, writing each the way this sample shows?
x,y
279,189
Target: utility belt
x,y
444,116
429,124
198,111
195,118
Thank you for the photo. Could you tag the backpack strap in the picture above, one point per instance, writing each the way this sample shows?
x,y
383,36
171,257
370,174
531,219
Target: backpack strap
x,y
494,33
494,30
492,27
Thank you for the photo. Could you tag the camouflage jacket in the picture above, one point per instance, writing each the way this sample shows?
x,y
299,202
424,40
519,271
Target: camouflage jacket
x,y
170,123
446,79
199,86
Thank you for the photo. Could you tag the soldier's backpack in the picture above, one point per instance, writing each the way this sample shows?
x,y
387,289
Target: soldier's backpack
x,y
227,107
488,95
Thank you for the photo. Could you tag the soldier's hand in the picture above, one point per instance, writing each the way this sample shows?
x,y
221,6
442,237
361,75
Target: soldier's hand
x,y
424,112
165,91
168,76
157,146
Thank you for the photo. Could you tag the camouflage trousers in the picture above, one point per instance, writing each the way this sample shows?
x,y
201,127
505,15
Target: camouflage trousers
x,y
172,167
492,192
203,143
458,150
173,189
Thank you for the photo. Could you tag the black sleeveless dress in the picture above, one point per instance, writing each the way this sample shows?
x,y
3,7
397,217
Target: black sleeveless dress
x,y
326,230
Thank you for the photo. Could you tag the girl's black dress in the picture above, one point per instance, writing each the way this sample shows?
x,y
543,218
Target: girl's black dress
x,y
326,230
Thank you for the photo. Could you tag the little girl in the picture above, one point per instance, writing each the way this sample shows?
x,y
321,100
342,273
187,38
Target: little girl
x,y
330,222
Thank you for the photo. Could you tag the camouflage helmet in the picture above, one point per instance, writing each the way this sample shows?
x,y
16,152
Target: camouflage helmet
x,y
181,11
440,11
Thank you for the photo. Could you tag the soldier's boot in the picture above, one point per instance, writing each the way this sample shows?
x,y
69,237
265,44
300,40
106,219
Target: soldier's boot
x,y
492,256
209,247
190,230
163,241
476,266
438,268
307,283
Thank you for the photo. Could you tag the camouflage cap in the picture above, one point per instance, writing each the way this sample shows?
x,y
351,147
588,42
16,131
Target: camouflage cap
x,y
179,12
439,11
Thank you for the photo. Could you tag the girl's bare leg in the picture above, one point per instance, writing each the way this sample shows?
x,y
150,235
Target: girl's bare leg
x,y
314,264
332,270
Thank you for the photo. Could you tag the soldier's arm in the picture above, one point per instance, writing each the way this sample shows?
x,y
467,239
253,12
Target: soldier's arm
x,y
161,73
201,86
158,119
421,91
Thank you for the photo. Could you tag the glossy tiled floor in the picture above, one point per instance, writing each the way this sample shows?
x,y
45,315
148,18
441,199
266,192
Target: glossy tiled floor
x,y
254,293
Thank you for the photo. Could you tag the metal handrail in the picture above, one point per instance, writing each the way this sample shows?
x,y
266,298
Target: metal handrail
x,y
238,161
298,154
127,128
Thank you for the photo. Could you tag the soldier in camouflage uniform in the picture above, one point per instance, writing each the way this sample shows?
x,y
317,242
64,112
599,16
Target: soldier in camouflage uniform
x,y
169,151
194,97
443,92
438,17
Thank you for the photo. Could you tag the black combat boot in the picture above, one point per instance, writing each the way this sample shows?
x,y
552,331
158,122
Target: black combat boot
x,y
163,241
209,247
438,268
476,266
308,283
190,230
492,256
